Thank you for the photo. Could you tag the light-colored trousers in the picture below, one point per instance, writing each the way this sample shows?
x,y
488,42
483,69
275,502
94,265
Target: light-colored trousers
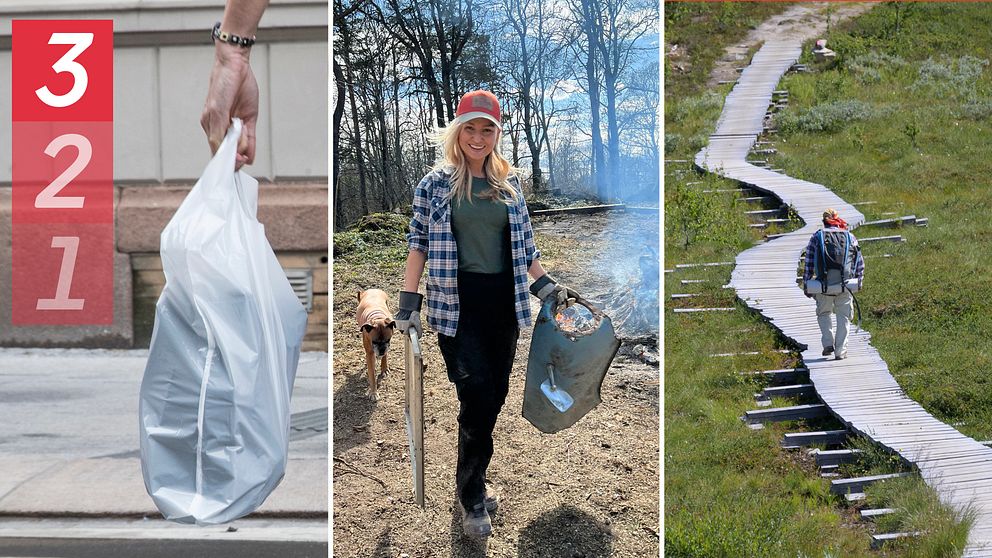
x,y
842,306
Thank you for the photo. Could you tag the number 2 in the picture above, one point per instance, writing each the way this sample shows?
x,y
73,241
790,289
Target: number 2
x,y
47,199
80,42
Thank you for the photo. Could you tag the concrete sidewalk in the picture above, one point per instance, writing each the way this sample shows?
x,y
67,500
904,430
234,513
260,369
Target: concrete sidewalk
x,y
69,437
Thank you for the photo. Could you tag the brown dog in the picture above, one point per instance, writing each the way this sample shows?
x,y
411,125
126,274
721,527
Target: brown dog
x,y
376,326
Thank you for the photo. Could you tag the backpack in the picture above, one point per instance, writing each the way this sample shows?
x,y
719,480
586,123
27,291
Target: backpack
x,y
833,271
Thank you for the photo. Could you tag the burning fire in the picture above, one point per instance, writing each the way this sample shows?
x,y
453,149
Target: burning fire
x,y
577,320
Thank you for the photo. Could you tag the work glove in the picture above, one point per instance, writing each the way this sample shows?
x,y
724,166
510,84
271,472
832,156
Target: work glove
x,y
409,314
546,287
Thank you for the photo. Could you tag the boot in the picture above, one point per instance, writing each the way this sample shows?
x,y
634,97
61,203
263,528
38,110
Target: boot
x,y
476,522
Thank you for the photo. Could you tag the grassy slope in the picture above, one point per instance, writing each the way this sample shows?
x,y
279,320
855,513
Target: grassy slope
x,y
933,328
694,25
730,491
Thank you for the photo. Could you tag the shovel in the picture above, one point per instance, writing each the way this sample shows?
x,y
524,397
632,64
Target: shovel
x,y
558,397
414,411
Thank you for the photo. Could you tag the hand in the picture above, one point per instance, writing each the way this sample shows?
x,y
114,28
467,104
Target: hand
x,y
545,287
409,314
233,93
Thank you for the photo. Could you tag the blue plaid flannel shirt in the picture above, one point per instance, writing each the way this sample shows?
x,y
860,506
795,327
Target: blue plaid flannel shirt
x,y
813,254
430,232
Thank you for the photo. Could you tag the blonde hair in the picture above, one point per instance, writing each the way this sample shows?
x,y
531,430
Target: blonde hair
x,y
498,170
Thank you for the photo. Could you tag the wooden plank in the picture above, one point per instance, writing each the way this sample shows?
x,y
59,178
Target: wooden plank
x,y
878,512
795,390
836,457
891,223
583,210
750,353
692,310
877,541
892,238
858,484
779,414
707,264
820,438
778,377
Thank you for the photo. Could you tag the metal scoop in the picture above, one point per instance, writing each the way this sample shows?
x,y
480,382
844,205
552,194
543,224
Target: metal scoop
x,y
558,397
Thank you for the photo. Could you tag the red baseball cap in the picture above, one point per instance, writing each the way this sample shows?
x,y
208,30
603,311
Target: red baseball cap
x,y
478,104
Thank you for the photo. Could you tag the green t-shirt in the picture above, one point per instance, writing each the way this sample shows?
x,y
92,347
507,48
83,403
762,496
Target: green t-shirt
x,y
482,231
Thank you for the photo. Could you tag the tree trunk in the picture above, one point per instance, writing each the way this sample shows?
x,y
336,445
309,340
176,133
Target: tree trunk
x,y
613,137
356,125
339,101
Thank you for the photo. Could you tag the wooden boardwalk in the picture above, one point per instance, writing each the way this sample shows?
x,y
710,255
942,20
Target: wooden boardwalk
x,y
859,391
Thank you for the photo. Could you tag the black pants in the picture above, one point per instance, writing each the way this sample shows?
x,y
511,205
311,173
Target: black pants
x,y
479,359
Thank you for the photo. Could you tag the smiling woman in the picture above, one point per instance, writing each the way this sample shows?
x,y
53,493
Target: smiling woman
x,y
470,220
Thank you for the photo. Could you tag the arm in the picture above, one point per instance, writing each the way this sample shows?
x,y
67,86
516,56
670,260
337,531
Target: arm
x,y
859,265
410,300
811,249
233,90
241,17
533,254
535,270
415,262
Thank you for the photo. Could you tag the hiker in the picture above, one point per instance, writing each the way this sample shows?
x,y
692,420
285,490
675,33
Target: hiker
x,y
834,270
470,220
233,90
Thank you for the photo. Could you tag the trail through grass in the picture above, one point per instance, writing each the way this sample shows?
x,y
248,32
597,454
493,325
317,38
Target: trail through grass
x,y
902,118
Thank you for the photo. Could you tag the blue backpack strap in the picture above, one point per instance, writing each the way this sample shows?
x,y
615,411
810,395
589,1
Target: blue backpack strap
x,y
843,269
823,264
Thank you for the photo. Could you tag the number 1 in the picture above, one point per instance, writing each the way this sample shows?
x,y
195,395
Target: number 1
x,y
70,246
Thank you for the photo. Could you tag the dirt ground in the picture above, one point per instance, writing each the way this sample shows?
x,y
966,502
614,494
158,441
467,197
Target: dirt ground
x,y
805,21
586,492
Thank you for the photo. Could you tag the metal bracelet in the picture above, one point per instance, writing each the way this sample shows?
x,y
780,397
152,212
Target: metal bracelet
x,y
217,35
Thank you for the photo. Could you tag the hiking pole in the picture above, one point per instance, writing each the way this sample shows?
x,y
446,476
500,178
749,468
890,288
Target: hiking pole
x,y
857,307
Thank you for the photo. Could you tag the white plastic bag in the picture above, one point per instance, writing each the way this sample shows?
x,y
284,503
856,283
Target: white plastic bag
x,y
214,408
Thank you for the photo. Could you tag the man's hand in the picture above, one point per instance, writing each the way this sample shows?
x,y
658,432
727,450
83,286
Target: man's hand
x,y
233,93
409,314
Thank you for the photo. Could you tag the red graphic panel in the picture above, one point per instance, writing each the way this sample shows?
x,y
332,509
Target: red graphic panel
x,y
63,70
63,274
63,172
62,266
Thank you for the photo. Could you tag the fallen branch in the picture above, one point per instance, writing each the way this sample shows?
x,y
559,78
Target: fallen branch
x,y
356,471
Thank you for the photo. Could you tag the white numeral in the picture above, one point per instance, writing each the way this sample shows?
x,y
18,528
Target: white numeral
x,y
70,246
47,199
80,42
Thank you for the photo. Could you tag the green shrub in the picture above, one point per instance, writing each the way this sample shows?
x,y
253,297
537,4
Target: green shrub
x,y
976,109
696,107
873,66
950,76
672,143
827,117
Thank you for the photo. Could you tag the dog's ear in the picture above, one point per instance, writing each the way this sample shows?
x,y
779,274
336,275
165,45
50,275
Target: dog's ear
x,y
366,328
391,324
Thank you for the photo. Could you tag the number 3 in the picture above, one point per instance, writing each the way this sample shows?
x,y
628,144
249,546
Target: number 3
x,y
67,63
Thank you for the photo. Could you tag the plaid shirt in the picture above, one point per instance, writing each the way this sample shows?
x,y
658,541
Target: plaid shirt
x,y
430,232
813,255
